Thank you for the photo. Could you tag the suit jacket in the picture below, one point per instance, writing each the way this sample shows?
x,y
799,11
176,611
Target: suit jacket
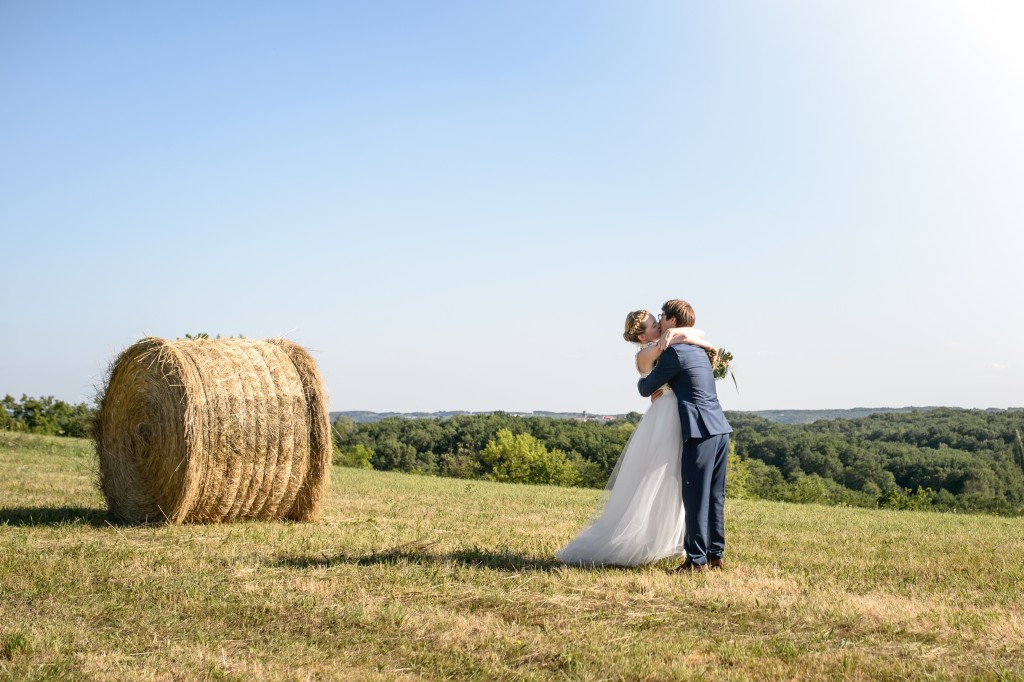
x,y
687,370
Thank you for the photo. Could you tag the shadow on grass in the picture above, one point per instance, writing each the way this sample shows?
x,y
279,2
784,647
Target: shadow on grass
x,y
54,516
419,553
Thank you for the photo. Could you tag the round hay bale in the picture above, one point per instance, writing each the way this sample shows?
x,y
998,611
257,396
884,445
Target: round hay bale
x,y
213,430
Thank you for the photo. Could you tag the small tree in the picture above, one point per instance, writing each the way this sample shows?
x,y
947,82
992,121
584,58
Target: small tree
x,y
524,459
357,456
808,489
921,500
905,498
738,481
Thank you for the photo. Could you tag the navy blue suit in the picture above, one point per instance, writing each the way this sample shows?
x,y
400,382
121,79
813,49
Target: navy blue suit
x,y
687,370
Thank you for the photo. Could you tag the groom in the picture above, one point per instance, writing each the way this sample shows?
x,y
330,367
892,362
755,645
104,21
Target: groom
x,y
687,370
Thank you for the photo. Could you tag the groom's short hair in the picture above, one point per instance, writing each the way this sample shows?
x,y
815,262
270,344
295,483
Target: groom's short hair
x,y
681,311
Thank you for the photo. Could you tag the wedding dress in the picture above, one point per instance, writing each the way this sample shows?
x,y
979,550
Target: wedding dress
x,y
641,518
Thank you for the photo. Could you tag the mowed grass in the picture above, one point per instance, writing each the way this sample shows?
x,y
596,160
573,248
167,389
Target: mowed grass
x,y
410,577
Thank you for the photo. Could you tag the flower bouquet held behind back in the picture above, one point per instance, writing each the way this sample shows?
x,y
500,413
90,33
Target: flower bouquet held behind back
x,y
720,360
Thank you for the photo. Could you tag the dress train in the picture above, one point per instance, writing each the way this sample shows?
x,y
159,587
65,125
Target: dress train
x,y
641,519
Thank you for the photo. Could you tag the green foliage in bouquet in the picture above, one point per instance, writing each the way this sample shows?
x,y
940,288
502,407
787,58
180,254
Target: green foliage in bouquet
x,y
720,360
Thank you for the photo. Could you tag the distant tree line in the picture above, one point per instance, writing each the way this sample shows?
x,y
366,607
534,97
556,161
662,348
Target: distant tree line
x,y
495,446
45,416
969,460
946,459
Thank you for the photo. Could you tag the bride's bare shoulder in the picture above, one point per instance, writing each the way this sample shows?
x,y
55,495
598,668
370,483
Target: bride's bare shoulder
x,y
645,357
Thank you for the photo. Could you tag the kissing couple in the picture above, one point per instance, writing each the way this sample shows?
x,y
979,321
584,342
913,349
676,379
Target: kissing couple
x,y
666,494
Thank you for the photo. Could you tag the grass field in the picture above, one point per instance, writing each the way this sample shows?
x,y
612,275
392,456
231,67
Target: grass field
x,y
410,577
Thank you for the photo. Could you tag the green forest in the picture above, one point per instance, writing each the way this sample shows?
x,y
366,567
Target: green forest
x,y
946,459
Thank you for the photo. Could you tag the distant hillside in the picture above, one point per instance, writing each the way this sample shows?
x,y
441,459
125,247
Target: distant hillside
x,y
811,416
777,416
361,417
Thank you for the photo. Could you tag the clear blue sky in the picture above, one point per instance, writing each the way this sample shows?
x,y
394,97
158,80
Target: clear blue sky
x,y
455,204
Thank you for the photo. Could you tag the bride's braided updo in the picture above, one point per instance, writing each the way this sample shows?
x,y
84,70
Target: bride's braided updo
x,y
635,325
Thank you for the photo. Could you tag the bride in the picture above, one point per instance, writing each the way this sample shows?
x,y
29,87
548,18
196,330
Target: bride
x,y
641,519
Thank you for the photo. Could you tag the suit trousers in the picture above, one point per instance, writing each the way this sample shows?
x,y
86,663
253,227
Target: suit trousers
x,y
703,469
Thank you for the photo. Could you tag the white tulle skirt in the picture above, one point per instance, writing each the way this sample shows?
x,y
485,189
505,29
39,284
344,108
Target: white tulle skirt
x,y
641,518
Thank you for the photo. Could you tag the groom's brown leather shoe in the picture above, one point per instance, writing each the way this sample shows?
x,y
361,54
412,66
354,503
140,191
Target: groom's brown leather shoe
x,y
690,567
716,564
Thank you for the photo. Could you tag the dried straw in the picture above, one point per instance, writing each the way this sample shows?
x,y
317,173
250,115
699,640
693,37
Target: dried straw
x,y
213,430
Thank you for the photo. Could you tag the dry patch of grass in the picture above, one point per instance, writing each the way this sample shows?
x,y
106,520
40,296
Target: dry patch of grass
x,y
410,577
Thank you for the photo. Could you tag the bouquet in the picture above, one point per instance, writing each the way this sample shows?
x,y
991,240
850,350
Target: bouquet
x,y
720,360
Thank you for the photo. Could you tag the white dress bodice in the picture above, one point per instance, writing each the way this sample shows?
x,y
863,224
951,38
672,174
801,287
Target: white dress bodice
x,y
636,361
